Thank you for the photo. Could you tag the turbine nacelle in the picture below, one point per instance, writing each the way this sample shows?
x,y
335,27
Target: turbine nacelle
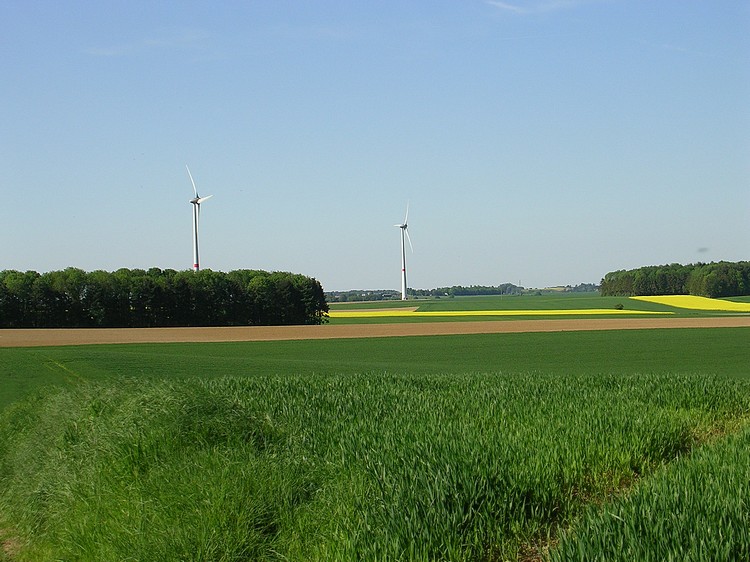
x,y
199,200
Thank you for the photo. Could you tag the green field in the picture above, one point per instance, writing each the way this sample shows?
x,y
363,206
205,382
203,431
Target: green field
x,y
482,447
533,304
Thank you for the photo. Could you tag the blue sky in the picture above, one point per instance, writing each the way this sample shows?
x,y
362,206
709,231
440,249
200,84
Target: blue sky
x,y
543,142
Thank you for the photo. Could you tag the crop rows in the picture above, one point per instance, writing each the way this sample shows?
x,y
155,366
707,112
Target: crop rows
x,y
373,466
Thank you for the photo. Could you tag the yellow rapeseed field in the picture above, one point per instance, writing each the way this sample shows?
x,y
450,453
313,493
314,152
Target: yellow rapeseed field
x,y
375,313
697,303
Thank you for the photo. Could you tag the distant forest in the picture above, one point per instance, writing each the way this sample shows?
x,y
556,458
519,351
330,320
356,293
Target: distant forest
x,y
388,294
718,279
454,291
472,290
135,298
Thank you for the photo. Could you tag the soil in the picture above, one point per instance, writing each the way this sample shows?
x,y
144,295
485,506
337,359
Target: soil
x,y
82,336
11,548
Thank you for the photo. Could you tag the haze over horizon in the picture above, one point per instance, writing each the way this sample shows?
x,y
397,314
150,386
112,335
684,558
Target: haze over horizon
x,y
539,143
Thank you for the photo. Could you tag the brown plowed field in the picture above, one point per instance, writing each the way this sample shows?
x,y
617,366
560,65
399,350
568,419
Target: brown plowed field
x,y
82,336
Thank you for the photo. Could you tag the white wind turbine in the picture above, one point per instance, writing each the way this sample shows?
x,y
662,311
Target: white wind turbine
x,y
196,201
404,234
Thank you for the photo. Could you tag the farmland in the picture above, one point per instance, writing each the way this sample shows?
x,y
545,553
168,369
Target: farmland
x,y
571,305
699,303
456,447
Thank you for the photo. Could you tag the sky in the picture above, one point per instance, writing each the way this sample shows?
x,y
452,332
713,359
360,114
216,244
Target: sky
x,y
539,142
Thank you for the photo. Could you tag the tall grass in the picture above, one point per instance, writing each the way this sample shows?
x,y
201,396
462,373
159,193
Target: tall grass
x,y
371,466
693,511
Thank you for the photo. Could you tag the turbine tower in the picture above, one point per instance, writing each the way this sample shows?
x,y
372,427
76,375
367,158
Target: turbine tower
x,y
404,234
196,201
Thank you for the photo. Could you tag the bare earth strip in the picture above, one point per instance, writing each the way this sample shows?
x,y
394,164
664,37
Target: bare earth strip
x,y
82,336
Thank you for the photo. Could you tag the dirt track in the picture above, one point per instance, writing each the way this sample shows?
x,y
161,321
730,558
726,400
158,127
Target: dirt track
x,y
42,337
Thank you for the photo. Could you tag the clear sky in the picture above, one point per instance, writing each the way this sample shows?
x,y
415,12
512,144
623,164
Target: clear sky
x,y
543,142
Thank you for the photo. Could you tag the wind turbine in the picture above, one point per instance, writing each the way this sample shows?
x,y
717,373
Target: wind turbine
x,y
196,201
404,234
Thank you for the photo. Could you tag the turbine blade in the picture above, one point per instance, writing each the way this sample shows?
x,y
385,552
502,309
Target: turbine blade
x,y
406,230
191,181
406,218
202,199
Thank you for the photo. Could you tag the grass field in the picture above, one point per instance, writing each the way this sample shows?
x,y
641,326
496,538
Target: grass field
x,y
482,447
710,351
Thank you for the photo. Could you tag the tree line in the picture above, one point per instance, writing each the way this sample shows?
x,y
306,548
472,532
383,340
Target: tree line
x,y
454,291
717,279
134,298
472,290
